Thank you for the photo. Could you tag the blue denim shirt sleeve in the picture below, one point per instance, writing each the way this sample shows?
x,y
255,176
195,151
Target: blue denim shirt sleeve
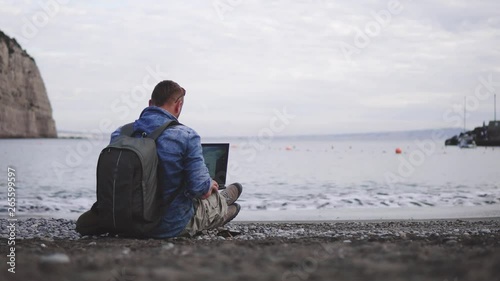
x,y
198,180
115,134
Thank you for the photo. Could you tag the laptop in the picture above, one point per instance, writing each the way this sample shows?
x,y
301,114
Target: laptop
x,y
216,157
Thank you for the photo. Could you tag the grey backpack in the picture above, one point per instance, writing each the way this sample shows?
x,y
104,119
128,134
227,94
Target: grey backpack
x,y
129,201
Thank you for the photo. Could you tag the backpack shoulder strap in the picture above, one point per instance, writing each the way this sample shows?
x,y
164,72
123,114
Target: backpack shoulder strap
x,y
156,133
127,129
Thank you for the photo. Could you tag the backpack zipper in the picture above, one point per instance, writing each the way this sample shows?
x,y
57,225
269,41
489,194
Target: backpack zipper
x,y
114,187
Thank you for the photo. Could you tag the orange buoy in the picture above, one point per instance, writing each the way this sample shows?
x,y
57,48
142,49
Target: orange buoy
x,y
399,151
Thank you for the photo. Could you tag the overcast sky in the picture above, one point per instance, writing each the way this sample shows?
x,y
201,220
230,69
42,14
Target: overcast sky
x,y
336,66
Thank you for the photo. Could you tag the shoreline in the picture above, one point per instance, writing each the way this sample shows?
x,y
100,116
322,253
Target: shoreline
x,y
488,212
432,250
374,214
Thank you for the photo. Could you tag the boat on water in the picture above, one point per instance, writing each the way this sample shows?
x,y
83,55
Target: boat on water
x,y
467,142
480,136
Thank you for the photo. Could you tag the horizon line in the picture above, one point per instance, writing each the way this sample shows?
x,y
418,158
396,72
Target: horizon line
x,y
292,135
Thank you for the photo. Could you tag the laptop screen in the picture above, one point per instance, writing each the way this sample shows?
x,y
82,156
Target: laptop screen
x,y
216,157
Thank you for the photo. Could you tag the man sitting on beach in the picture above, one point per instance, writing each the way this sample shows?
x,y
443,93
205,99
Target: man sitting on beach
x,y
200,206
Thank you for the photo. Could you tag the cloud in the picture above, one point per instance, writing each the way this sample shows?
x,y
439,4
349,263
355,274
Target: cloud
x,y
265,56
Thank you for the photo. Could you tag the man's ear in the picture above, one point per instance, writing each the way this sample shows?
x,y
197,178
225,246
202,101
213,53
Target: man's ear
x,y
150,103
178,106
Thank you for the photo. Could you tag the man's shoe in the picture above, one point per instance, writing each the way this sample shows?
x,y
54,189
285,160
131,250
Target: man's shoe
x,y
232,212
232,193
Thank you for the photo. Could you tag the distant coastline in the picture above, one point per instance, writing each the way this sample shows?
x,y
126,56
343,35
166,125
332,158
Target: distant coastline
x,y
382,135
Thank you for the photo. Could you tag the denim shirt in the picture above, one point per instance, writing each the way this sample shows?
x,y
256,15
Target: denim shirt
x,y
181,163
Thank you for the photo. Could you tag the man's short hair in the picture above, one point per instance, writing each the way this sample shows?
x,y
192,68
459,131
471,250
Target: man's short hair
x,y
166,91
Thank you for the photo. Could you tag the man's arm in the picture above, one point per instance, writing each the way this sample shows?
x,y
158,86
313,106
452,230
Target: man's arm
x,y
199,183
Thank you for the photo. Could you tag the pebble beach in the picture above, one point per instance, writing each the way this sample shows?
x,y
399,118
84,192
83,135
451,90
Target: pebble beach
x,y
50,249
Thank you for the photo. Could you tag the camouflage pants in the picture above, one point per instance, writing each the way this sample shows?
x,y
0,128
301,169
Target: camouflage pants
x,y
209,214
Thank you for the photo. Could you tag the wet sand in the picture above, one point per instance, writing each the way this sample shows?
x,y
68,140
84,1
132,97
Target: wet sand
x,y
427,250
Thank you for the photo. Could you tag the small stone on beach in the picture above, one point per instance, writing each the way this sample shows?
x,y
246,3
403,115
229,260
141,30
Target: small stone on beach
x,y
167,247
55,259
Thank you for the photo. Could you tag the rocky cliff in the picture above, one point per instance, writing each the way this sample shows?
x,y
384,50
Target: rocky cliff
x,y
25,110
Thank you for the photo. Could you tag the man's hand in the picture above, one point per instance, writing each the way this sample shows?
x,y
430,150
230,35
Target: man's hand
x,y
213,187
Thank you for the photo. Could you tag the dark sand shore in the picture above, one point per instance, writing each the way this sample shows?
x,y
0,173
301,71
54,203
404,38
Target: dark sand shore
x,y
435,250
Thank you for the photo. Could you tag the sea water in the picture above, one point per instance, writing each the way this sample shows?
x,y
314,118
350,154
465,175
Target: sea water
x,y
57,176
